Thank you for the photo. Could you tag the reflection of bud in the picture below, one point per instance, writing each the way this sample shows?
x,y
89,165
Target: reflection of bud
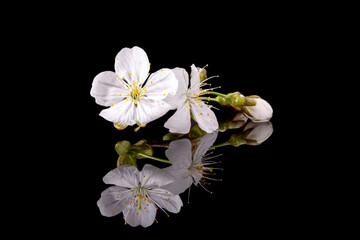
x,y
234,123
256,133
261,112
236,140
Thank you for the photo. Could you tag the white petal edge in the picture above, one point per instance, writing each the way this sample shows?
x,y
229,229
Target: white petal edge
x,y
195,78
179,153
107,89
180,121
166,200
182,179
124,176
182,78
160,84
123,112
204,116
112,201
205,143
153,177
132,64
148,110
144,217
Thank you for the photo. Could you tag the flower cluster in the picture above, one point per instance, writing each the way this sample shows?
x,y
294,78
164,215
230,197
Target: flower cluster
x,y
134,96
139,194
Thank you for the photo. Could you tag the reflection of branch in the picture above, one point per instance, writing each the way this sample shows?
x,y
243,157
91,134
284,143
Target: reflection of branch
x,y
158,144
154,158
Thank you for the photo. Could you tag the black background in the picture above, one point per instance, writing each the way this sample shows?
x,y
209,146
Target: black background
x,y
254,52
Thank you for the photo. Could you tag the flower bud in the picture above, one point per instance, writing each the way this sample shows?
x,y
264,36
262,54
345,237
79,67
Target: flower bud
x,y
261,112
234,100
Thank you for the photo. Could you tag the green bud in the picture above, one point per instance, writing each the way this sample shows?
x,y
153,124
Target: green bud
x,y
234,100
202,74
249,101
120,126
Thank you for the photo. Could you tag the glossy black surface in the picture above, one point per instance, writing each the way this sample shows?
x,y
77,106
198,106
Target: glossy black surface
x,y
255,197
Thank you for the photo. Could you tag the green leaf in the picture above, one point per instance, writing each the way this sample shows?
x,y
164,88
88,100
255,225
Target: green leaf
x,y
141,147
124,159
122,147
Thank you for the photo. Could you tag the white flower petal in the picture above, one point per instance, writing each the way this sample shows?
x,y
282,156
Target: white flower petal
x,y
144,216
183,82
123,112
160,84
195,78
182,77
124,176
182,179
166,200
132,64
261,112
205,143
180,122
179,153
112,200
204,116
153,177
196,175
149,109
107,89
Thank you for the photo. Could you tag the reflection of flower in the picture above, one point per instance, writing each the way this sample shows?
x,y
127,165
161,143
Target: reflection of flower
x,y
130,102
188,100
188,168
137,194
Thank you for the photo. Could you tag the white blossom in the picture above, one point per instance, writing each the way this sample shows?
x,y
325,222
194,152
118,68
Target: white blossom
x,y
138,194
130,93
187,102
